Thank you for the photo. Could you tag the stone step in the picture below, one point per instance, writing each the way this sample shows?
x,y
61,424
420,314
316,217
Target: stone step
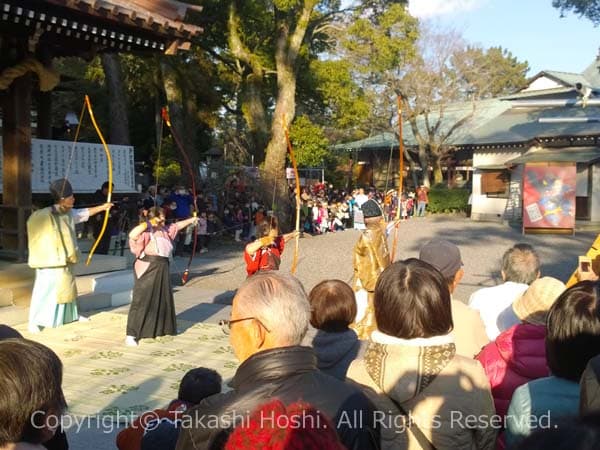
x,y
104,290
16,295
102,300
14,274
14,315
6,297
109,282
101,263
16,280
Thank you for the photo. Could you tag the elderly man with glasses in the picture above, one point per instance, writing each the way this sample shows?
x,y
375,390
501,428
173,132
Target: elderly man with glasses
x,y
269,318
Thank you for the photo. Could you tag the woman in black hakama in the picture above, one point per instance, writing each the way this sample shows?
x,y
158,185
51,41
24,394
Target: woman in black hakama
x,y
152,310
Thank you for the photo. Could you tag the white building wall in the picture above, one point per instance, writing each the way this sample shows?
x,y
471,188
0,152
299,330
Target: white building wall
x,y
489,208
542,83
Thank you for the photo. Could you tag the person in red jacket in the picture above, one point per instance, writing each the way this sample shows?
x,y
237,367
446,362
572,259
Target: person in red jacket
x,y
264,253
162,425
518,355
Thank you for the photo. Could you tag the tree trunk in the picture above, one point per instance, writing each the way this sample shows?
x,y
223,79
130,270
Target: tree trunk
x,y
276,152
175,103
424,163
255,115
287,48
118,131
191,126
435,158
438,176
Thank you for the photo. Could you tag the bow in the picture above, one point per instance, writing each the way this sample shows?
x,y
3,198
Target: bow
x,y
401,175
298,201
88,105
167,120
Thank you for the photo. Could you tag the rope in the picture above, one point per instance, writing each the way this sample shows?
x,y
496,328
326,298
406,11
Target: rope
x,y
49,78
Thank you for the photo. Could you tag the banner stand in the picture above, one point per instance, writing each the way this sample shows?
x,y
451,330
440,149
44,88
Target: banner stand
x,y
549,198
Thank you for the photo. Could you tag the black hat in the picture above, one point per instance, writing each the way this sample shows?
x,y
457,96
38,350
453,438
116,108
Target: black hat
x,y
61,188
443,255
370,208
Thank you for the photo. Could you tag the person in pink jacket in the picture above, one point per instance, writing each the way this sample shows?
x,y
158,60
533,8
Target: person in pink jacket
x,y
518,355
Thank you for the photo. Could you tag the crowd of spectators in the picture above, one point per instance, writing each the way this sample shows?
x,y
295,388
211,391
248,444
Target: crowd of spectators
x,y
234,211
515,366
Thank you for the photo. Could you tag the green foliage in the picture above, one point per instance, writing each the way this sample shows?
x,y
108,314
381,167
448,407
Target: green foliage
x,y
167,166
341,102
492,72
381,42
311,147
169,173
70,98
585,8
444,200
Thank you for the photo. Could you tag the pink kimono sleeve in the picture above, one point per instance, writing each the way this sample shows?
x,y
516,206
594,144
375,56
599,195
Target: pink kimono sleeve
x,y
138,245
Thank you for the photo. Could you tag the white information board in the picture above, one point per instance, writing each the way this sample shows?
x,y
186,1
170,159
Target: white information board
x,y
88,167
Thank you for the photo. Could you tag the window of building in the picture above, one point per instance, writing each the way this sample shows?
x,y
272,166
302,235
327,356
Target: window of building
x,y
495,183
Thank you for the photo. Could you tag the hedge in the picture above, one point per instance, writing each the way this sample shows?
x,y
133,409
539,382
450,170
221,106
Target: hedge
x,y
444,200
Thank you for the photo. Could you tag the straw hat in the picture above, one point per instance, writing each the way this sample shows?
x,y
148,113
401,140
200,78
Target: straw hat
x,y
533,306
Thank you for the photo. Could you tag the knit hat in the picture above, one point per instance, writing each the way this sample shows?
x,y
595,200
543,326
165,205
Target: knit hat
x,y
60,188
443,255
274,426
370,208
533,306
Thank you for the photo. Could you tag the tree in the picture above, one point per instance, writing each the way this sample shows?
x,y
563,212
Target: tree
x,y
441,88
431,76
118,132
584,8
267,43
312,147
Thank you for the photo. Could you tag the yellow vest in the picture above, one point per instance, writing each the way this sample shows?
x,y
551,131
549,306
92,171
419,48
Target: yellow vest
x,y
51,239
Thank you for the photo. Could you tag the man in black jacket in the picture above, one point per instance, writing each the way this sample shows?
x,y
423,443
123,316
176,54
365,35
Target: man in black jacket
x,y
269,318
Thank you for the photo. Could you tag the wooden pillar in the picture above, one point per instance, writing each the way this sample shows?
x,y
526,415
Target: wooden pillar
x,y
44,115
16,167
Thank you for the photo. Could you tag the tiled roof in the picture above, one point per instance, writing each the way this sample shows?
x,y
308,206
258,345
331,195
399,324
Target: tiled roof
x,y
382,140
562,154
494,121
485,110
164,16
523,125
558,92
86,27
566,78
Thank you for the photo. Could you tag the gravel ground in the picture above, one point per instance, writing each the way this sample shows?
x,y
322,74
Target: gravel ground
x,y
330,256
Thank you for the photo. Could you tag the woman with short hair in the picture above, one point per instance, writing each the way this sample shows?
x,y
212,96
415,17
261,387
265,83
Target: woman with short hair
x,y
411,364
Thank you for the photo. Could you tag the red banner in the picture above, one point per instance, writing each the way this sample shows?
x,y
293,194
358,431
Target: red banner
x,y
549,196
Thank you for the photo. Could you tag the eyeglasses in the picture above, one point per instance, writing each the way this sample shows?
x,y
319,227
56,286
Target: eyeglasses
x,y
226,324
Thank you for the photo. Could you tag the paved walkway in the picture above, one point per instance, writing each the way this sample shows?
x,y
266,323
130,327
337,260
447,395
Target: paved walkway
x,y
103,377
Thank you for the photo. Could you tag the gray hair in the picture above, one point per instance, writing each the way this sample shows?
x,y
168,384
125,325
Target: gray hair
x,y
279,302
521,264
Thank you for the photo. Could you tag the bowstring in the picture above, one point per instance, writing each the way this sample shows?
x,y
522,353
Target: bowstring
x,y
160,141
72,153
273,206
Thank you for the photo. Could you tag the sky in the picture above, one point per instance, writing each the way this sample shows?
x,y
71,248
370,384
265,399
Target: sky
x,y
532,30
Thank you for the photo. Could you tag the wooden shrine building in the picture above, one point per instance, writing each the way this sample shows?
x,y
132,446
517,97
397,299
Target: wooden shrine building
x,y
32,33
